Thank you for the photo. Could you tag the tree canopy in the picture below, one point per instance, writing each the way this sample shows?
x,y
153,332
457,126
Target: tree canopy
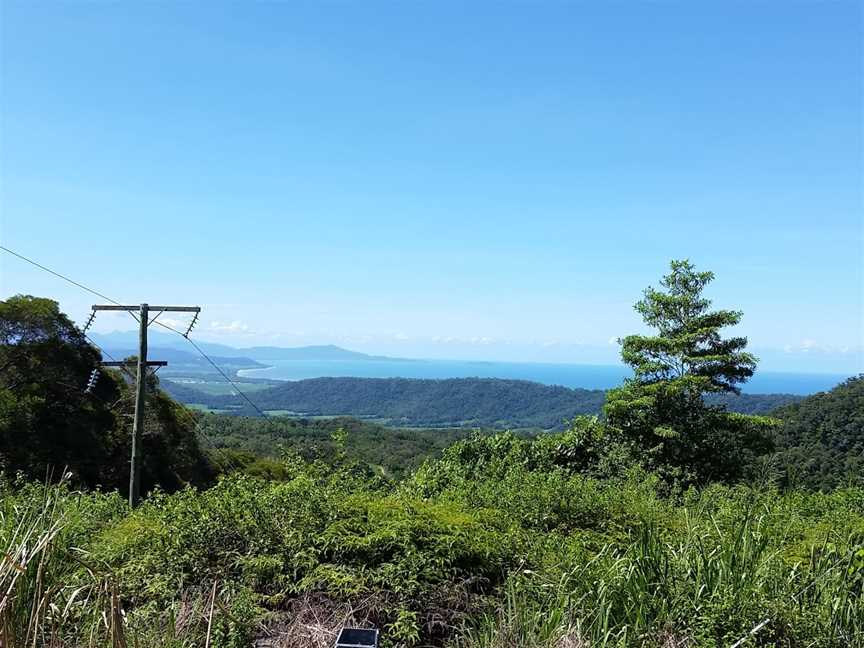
x,y
821,443
662,409
688,346
50,420
47,419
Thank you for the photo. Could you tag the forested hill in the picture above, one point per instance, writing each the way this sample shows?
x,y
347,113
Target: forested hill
x,y
455,402
822,440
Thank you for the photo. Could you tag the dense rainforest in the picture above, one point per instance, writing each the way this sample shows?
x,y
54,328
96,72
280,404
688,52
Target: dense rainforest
x,y
456,402
820,444
668,520
255,442
821,441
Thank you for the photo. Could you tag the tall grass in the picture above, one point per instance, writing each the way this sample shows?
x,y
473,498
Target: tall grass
x,y
41,592
698,587
601,564
28,530
52,595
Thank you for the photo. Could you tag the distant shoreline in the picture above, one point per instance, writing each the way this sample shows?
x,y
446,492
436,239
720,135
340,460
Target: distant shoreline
x,y
572,376
244,373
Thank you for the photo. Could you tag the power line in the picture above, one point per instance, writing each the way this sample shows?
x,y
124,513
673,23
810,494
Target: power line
x,y
163,325
57,274
90,391
224,375
63,277
105,353
216,367
184,409
196,424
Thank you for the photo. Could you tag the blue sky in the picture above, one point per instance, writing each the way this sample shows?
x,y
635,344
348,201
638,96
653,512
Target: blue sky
x,y
448,179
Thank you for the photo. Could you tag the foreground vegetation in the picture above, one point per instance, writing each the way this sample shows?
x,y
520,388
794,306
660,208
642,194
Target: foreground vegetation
x,y
499,543
256,443
670,521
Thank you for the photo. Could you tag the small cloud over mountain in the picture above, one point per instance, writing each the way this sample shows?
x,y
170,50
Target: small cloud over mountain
x,y
229,328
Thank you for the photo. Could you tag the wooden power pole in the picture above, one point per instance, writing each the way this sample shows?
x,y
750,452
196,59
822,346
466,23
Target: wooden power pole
x,y
140,382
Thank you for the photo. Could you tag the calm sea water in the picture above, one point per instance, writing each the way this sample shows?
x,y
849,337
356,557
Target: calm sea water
x,y
568,375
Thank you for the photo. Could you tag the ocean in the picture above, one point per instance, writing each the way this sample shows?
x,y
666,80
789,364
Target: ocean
x,y
569,375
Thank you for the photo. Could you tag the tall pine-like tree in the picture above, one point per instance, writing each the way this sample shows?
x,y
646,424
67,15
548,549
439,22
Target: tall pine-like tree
x,y
661,409
688,346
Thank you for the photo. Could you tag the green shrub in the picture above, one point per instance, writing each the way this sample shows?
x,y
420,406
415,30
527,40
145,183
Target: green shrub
x,y
503,542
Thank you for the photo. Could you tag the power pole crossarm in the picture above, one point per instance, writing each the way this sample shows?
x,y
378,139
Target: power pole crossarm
x,y
168,309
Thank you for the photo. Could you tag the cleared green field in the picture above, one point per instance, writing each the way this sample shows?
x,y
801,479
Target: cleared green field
x,y
308,417
218,387
203,408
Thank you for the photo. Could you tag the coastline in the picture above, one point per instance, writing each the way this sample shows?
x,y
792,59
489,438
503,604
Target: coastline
x,y
565,375
245,373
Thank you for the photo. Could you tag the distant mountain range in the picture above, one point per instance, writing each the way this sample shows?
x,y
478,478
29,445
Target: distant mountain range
x,y
181,362
317,353
177,357
127,342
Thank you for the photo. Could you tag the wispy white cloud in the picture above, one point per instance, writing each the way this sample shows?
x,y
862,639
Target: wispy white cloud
x,y
810,346
235,327
477,339
173,322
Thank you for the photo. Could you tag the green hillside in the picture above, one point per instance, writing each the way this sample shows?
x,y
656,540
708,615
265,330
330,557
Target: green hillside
x,y
455,402
822,439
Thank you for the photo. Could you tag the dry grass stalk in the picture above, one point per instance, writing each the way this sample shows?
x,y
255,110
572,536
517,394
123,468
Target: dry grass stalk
x,y
314,621
210,616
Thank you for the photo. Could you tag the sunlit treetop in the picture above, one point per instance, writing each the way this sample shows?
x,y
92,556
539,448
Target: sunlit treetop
x,y
688,344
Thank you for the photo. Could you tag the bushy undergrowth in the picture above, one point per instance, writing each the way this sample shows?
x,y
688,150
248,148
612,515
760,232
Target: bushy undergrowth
x,y
501,543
